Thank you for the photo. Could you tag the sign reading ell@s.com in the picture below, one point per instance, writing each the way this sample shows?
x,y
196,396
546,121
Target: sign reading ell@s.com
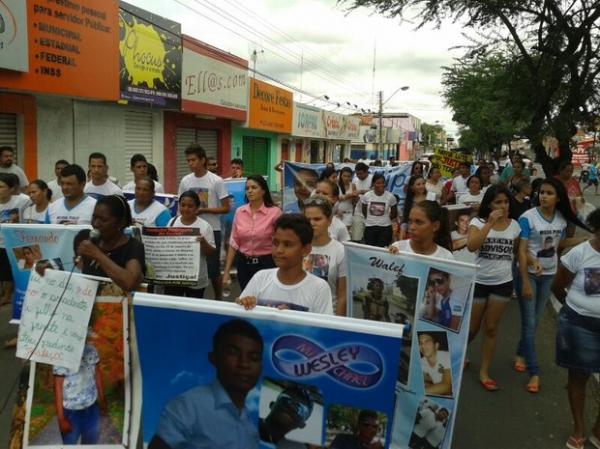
x,y
13,35
72,49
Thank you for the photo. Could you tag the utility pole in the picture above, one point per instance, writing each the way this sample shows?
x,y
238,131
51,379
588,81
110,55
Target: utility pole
x,y
380,143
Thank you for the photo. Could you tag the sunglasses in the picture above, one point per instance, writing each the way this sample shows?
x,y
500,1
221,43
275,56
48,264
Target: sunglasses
x,y
437,281
315,202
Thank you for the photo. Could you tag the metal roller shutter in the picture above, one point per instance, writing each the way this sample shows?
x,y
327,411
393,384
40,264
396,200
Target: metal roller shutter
x,y
255,152
138,137
206,138
8,132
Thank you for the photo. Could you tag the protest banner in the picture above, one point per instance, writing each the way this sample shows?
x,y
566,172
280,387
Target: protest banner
x,y
447,161
27,243
108,378
299,181
166,199
432,298
305,380
172,255
54,319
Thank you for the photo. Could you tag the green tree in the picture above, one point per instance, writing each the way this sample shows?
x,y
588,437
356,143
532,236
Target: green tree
x,y
432,136
558,45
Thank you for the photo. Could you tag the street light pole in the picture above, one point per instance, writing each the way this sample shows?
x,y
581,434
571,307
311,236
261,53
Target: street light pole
x,y
380,142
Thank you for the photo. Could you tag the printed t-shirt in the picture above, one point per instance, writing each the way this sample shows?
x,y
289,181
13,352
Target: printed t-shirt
x,y
440,252
543,237
327,262
496,254
106,189
12,211
311,294
79,387
211,191
59,213
442,362
32,216
130,187
378,208
364,184
155,215
584,292
469,198
338,231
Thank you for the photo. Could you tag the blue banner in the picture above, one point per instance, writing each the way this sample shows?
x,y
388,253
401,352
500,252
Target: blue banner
x,y
236,188
297,378
432,298
300,180
26,244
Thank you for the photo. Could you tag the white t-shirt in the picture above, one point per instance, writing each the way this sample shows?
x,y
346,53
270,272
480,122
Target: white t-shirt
x,y
584,293
469,198
346,207
59,213
426,422
311,294
436,435
329,263
130,187
32,216
12,211
378,208
436,189
459,186
496,254
543,237
440,252
155,215
56,190
463,254
364,184
442,362
206,232
106,189
16,170
211,191
338,231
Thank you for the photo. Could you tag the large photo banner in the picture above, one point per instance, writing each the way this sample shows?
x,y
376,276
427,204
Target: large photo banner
x,y
99,395
28,243
300,180
266,378
432,299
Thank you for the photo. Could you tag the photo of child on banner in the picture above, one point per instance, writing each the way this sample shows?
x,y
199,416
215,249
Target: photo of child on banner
x,y
26,244
433,298
89,405
299,181
279,371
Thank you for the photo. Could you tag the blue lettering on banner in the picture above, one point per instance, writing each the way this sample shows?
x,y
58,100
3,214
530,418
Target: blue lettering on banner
x,y
353,365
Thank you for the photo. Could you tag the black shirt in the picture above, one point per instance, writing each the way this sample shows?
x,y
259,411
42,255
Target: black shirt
x,y
133,249
517,209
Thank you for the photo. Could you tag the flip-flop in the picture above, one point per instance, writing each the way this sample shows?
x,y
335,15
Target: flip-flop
x,y
489,384
575,443
532,388
519,367
595,441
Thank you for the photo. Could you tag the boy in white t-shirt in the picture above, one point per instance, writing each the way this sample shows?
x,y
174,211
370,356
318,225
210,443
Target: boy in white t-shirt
x,y
288,286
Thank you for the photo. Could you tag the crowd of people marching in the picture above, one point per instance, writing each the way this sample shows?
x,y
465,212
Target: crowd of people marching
x,y
513,224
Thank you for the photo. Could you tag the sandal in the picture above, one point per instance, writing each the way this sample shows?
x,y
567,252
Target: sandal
x,y
519,366
489,384
575,443
533,388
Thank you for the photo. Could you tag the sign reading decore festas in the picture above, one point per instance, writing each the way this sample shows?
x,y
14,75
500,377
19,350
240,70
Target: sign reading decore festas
x,y
270,107
72,47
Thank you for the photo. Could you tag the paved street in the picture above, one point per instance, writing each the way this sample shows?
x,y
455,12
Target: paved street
x,y
510,418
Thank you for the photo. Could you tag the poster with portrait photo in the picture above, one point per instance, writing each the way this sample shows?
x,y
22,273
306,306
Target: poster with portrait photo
x,y
290,414
429,429
376,209
27,256
317,264
350,427
591,281
445,299
459,217
436,363
101,387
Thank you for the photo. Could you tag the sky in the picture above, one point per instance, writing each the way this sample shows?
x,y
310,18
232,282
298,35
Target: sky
x,y
319,47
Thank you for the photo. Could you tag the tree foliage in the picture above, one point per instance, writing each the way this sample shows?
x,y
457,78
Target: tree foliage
x,y
557,42
432,135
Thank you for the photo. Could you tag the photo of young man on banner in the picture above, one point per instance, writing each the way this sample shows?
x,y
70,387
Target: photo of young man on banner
x,y
265,378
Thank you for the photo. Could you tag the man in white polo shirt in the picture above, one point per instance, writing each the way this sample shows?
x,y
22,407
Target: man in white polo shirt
x,y
99,184
76,207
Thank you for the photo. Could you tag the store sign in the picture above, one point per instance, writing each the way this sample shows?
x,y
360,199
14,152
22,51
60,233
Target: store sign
x,y
13,35
307,122
150,58
352,128
72,47
208,81
335,125
270,108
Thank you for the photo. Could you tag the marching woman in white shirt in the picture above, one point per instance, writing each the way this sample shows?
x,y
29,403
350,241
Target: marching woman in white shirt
x,y
40,195
494,237
379,209
348,196
577,287
145,210
327,259
543,232
474,195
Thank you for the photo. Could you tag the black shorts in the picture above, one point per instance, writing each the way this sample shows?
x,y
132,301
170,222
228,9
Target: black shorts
x,y
501,292
5,271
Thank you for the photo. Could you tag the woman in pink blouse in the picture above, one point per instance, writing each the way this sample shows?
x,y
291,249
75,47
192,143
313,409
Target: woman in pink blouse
x,y
252,233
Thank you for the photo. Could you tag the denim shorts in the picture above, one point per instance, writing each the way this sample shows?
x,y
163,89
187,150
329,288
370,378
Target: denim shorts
x,y
578,341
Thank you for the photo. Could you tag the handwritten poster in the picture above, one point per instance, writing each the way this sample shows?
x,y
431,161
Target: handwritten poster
x,y
172,255
55,318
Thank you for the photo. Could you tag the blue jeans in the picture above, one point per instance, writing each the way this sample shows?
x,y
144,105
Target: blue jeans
x,y
84,423
531,312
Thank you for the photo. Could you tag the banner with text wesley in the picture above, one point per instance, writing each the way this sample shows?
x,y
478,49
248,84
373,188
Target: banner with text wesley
x,y
432,299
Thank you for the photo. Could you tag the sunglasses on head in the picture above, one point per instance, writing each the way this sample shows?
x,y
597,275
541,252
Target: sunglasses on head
x,y
315,202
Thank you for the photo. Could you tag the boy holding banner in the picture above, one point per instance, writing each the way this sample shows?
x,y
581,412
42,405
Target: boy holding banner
x,y
288,286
